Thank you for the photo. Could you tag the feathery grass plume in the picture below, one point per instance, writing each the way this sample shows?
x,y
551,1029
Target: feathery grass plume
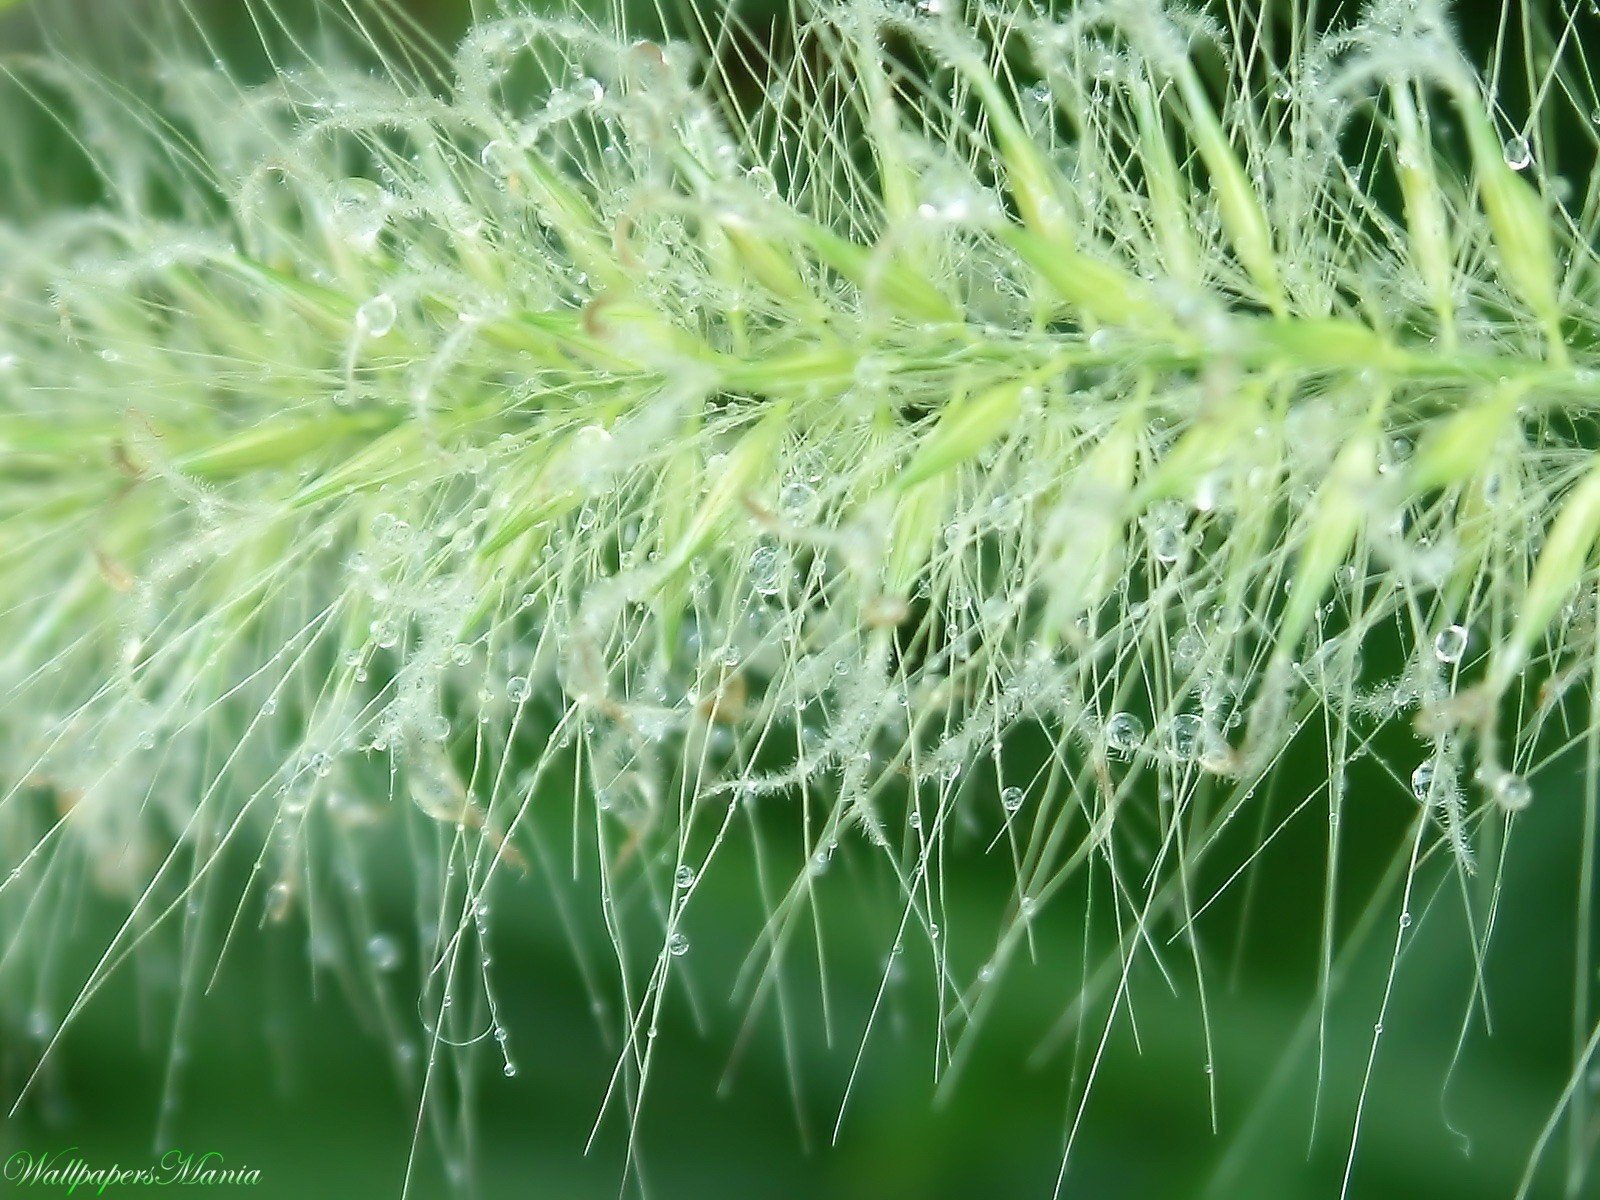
x,y
600,465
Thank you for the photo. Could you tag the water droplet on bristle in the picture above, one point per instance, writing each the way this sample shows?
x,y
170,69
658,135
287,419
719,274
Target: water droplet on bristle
x,y
1451,644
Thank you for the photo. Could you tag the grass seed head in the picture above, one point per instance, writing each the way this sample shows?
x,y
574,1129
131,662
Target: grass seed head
x,y
559,415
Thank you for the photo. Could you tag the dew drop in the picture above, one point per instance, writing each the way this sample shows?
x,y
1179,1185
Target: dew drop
x,y
359,211
279,896
1188,648
795,499
766,570
1011,799
1124,732
1451,644
1519,154
375,318
499,157
1422,780
1184,736
1511,791
383,953
1166,543
517,688
685,877
677,945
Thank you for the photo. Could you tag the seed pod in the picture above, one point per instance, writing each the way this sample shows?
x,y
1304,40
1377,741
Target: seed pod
x,y
1035,184
1425,222
1173,221
1561,565
691,522
742,470
883,123
1047,242
767,261
1212,442
275,444
1518,222
1455,448
964,428
1331,530
1484,516
637,334
897,282
1328,344
1100,290
1242,213
1085,541
915,526
573,218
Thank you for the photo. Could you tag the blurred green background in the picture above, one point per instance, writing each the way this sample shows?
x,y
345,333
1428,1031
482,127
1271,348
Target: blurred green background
x,y
283,1071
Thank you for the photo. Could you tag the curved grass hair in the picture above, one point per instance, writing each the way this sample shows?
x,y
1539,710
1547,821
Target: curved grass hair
x,y
962,430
